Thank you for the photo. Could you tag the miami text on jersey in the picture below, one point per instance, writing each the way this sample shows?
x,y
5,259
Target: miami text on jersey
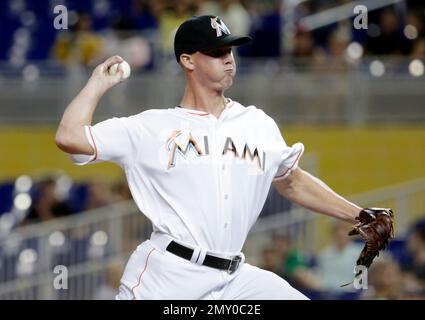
x,y
180,143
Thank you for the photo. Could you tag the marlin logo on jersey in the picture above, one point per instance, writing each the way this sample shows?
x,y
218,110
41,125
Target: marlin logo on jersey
x,y
219,26
183,144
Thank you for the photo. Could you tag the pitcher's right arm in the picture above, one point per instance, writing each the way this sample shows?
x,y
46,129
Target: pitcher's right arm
x,y
70,135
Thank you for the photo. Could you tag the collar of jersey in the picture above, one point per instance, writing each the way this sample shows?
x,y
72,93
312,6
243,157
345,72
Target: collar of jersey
x,y
229,103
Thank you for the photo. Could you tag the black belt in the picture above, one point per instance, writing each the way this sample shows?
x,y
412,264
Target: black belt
x,y
230,265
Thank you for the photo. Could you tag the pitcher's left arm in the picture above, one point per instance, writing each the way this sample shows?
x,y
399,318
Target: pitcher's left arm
x,y
310,192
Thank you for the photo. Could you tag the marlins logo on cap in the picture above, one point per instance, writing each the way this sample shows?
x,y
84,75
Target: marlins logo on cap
x,y
219,27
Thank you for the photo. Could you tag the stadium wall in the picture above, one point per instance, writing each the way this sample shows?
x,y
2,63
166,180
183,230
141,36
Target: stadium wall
x,y
351,160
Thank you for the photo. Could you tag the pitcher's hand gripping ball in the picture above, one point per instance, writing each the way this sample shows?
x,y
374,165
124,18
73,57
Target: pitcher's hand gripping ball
x,y
124,66
120,69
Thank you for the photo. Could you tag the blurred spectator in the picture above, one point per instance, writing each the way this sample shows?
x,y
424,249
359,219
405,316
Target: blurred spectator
x,y
385,280
418,50
46,204
306,8
303,49
289,263
121,191
416,246
335,265
333,55
272,259
145,14
387,37
265,30
173,13
109,289
99,194
136,50
338,41
232,12
81,45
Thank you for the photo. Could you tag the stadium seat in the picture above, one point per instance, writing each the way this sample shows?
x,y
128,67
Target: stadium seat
x,y
397,248
6,196
78,196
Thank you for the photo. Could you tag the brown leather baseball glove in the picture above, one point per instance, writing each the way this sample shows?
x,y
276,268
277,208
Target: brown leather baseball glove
x,y
376,228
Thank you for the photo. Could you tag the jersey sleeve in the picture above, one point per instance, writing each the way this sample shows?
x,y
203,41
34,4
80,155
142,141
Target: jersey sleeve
x,y
289,155
290,160
112,140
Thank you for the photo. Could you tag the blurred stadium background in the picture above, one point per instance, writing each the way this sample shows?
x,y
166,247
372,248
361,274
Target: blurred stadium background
x,y
355,98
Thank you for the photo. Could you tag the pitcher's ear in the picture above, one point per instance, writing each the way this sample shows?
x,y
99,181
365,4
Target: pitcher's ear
x,y
186,61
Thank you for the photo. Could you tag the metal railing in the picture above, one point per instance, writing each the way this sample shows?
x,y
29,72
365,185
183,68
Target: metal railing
x,y
90,245
94,246
406,199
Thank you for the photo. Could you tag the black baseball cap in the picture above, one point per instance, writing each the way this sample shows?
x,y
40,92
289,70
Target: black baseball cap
x,y
203,33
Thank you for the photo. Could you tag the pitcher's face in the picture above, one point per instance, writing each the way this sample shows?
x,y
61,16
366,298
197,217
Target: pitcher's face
x,y
216,66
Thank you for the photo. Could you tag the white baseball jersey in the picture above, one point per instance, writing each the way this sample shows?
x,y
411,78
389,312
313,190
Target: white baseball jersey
x,y
200,179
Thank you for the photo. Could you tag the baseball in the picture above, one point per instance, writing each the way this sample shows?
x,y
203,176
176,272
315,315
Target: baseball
x,y
124,66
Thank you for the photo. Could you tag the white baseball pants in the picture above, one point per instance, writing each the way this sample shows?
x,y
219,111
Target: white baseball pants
x,y
152,273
